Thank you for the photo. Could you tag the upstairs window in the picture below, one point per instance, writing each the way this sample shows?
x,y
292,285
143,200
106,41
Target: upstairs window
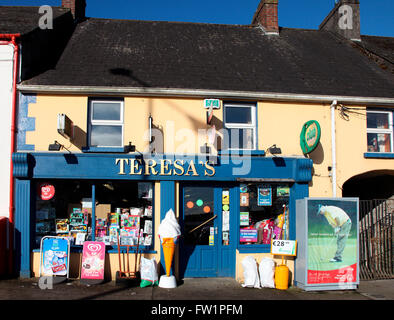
x,y
105,123
240,122
380,131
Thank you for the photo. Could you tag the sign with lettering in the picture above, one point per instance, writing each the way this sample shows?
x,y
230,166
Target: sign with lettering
x,y
284,247
310,136
93,258
163,167
54,256
46,191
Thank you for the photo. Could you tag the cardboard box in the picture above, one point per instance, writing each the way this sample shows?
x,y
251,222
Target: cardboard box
x,y
102,210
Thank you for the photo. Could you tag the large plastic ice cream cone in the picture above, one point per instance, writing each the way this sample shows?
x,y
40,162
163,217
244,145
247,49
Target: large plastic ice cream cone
x,y
168,251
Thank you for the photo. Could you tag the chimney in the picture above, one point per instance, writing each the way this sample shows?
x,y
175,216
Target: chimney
x,y
266,16
344,20
77,8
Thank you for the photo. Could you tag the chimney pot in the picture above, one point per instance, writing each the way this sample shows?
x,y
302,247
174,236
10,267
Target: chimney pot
x,y
266,16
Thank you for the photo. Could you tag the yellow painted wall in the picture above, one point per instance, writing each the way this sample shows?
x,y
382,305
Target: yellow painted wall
x,y
178,119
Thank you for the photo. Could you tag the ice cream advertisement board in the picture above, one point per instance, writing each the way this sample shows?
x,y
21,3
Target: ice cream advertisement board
x,y
93,258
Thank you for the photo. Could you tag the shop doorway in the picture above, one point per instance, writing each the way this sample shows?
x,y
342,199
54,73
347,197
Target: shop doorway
x,y
207,245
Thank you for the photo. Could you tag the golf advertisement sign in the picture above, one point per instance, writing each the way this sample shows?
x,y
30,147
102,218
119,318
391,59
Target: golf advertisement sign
x,y
332,241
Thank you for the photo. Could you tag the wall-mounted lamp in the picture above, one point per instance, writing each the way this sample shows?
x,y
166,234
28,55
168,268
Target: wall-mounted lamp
x,y
129,148
274,150
56,146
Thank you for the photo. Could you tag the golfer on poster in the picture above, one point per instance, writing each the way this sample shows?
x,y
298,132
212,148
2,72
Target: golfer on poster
x,y
340,221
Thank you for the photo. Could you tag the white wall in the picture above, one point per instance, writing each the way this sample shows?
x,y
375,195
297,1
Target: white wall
x,y
6,76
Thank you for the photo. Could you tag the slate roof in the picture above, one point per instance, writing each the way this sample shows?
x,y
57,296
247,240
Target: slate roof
x,y
23,19
129,53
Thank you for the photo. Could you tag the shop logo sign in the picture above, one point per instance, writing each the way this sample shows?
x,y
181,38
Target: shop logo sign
x,y
46,191
163,167
310,136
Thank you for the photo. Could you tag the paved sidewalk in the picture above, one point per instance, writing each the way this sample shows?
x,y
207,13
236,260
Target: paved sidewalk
x,y
193,289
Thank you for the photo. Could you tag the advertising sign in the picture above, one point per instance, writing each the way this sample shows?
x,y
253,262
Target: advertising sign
x,y
46,191
284,247
54,256
264,195
332,241
248,235
93,258
310,136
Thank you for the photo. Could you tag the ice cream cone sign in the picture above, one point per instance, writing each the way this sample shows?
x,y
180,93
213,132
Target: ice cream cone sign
x,y
169,232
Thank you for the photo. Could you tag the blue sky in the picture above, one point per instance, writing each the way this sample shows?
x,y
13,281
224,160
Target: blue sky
x,y
377,16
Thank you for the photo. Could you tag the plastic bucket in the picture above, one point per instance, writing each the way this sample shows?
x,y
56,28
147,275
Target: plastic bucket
x,y
282,277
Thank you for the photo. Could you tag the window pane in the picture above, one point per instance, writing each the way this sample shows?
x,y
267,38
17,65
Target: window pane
x,y
198,209
377,120
238,115
110,136
241,138
379,142
106,111
264,213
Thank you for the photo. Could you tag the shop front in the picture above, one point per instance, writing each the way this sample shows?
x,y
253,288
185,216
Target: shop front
x,y
227,206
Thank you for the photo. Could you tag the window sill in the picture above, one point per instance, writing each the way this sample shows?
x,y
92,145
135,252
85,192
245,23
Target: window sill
x,y
109,249
242,152
379,155
254,248
104,149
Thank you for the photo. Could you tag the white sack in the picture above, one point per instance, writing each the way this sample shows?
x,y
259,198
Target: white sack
x,y
148,269
251,276
169,226
267,273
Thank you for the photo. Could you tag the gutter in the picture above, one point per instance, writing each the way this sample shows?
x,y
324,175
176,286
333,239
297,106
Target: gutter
x,y
202,93
12,39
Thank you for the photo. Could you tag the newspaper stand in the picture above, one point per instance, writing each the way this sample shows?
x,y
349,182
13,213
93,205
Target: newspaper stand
x,y
125,274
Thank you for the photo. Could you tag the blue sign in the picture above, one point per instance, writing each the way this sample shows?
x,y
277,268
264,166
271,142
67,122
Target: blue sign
x,y
55,257
264,196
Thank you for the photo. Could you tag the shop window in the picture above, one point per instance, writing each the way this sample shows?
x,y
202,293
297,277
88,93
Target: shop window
x,y
122,209
105,123
264,213
380,131
240,122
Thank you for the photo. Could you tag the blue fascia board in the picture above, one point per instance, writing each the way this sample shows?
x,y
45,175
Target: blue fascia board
x,y
195,167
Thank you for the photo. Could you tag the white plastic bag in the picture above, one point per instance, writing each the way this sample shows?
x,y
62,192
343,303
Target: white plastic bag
x,y
267,273
148,270
251,276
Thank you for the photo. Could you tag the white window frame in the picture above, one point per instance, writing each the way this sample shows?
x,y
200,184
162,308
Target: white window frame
x,y
385,131
92,122
252,125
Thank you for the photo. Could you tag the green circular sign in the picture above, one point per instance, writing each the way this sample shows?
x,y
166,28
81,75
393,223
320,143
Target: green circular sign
x,y
310,136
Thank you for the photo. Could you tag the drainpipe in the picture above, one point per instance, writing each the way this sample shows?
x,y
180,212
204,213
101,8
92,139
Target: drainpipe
x,y
333,152
11,39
